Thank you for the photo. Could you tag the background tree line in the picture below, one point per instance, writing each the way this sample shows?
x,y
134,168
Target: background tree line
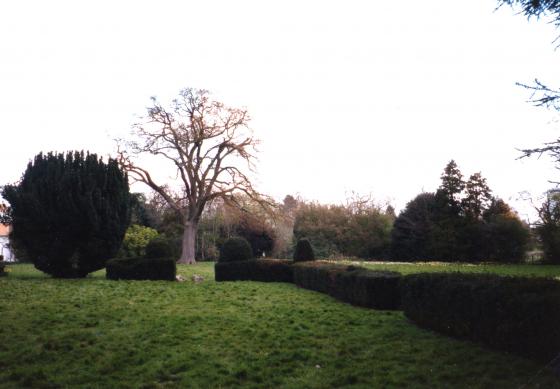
x,y
461,221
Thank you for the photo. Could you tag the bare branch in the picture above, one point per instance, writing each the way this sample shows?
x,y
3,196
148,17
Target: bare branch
x,y
207,142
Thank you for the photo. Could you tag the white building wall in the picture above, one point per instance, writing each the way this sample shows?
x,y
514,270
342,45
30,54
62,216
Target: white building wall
x,y
5,249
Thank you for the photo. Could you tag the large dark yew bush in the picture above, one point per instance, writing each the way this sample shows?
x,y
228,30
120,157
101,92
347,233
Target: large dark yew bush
x,y
69,212
236,249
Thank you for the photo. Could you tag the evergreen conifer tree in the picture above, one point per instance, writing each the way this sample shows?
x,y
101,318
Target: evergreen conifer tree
x,y
478,196
69,212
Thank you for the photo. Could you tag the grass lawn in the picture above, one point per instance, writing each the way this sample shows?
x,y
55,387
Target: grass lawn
x,y
527,270
99,333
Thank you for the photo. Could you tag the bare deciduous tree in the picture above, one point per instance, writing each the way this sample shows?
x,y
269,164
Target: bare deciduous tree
x,y
209,144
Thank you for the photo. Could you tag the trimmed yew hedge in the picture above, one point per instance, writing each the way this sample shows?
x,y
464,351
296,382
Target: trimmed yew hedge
x,y
265,270
514,314
141,269
355,285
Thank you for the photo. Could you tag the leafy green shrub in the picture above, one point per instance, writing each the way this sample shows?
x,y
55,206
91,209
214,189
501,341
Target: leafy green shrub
x,y
2,267
159,247
141,269
303,251
265,270
135,240
514,314
236,249
355,285
69,212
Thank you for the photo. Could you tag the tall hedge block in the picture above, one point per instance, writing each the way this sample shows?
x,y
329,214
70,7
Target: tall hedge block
x,y
355,285
141,269
514,314
264,270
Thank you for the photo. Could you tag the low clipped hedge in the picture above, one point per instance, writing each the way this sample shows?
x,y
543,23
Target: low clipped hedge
x,y
141,269
264,270
355,285
515,314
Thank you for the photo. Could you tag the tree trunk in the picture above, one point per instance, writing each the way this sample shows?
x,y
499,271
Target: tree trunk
x,y
188,244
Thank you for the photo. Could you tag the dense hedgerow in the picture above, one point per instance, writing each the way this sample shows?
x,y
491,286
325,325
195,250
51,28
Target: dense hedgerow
x,y
515,314
265,270
303,251
141,269
355,285
236,249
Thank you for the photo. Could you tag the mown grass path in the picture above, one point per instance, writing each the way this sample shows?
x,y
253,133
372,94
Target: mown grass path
x,y
99,333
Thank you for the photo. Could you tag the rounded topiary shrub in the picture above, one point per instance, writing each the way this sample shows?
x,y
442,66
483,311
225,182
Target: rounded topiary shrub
x,y
303,251
236,249
159,247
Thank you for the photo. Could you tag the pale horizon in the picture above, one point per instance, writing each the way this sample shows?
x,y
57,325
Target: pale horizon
x,y
344,96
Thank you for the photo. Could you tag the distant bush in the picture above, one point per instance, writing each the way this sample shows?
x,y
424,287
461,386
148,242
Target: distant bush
x,y
303,251
159,247
359,229
236,249
135,241
264,270
514,314
355,285
2,266
141,269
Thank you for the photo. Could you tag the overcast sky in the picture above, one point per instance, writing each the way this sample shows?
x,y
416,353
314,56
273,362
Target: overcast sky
x,y
372,97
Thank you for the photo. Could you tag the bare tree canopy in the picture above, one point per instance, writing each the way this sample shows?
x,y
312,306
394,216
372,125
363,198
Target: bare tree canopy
x,y
536,8
541,94
211,148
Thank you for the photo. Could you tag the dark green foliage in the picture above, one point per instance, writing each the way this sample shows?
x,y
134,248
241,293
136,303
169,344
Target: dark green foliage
x,y
303,251
514,314
477,197
264,270
70,212
410,237
445,227
141,212
236,249
548,228
355,285
507,239
452,183
2,267
259,235
159,247
141,269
